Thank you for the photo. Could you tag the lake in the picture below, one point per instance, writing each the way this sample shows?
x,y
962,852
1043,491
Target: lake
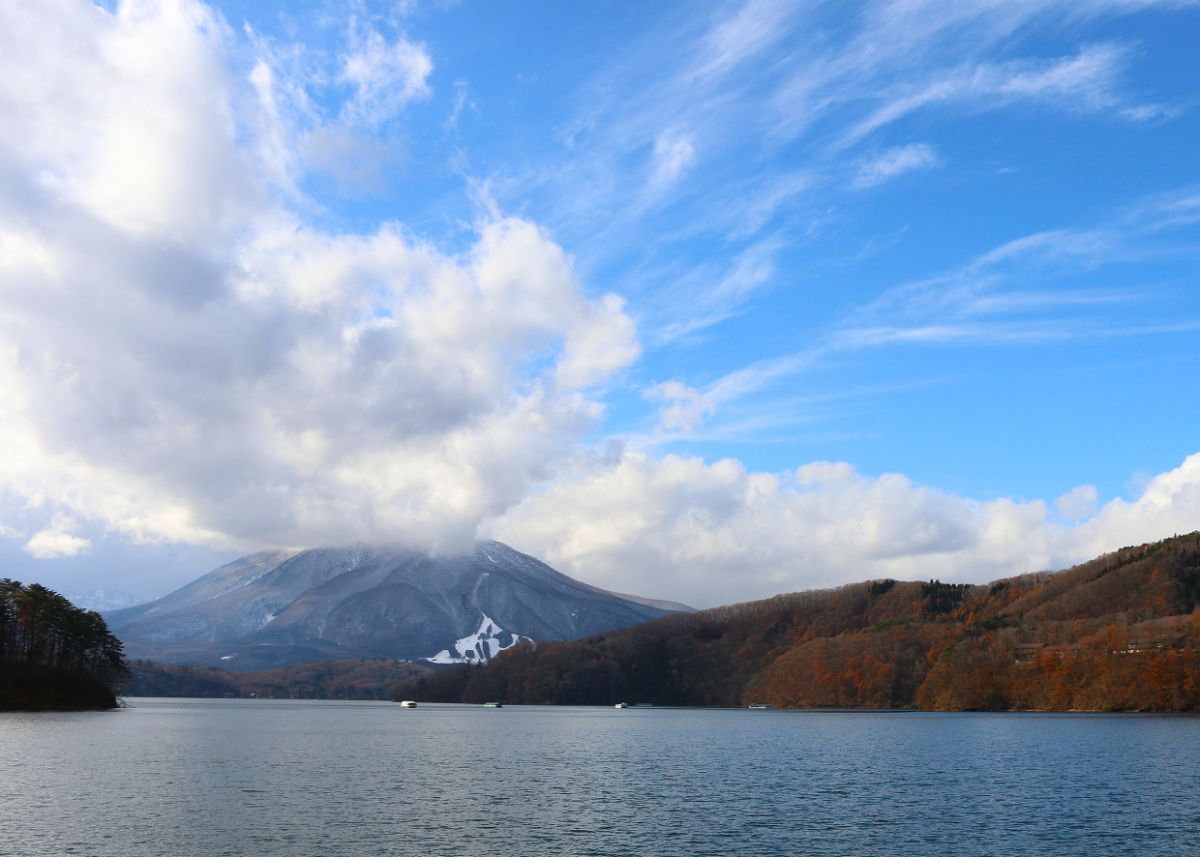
x,y
248,777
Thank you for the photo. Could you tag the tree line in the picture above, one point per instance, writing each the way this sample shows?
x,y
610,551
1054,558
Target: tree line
x,y
54,654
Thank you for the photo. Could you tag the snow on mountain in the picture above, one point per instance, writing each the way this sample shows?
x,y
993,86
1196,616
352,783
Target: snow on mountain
x,y
488,641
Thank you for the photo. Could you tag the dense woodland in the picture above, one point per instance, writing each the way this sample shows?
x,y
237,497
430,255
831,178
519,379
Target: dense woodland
x,y
1119,633
345,679
54,655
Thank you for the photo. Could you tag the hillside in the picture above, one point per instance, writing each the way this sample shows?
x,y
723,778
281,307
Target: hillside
x,y
1121,632
282,608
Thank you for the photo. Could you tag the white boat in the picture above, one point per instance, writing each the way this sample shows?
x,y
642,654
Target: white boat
x,y
407,703
621,705
761,706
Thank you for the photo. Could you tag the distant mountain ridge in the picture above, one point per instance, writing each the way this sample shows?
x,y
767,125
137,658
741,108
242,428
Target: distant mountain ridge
x,y
103,600
278,608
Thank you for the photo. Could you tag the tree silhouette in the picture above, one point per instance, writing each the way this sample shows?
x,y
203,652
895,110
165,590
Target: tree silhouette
x,y
48,645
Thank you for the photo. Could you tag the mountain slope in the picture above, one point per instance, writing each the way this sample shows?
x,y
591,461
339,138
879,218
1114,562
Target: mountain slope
x,y
279,608
1121,632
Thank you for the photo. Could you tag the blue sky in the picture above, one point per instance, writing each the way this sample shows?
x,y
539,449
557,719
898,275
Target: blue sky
x,y
789,219
740,298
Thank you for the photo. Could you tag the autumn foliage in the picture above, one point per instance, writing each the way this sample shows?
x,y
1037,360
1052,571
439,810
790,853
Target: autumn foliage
x,y
1121,632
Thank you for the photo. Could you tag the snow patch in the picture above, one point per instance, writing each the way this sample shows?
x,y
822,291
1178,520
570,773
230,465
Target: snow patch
x,y
479,647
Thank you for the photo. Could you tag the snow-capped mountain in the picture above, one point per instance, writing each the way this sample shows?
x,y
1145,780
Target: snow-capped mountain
x,y
103,600
286,607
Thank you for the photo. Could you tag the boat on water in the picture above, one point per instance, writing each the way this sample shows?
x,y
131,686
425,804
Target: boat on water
x,y
407,703
621,705
493,705
761,706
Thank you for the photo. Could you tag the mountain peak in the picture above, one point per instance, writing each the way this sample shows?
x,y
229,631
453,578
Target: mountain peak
x,y
283,607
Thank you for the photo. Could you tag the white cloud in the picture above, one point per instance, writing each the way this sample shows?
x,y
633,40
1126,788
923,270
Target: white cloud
x,y
896,162
1086,81
333,112
385,76
711,295
685,406
57,540
754,27
106,118
674,155
359,163
602,341
825,473
183,358
716,533
1079,502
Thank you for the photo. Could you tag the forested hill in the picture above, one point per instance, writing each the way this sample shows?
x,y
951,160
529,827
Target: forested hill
x,y
54,655
1121,632
345,679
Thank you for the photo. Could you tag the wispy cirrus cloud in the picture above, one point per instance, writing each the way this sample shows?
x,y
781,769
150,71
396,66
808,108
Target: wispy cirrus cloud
x,y
674,155
385,76
805,108
706,297
1086,81
336,110
1012,295
895,162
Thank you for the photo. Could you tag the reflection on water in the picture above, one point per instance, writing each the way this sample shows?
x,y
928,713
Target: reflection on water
x,y
234,777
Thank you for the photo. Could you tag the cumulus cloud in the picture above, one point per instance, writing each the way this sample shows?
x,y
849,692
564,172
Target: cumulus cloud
x,y
1079,502
184,358
684,407
57,540
715,533
127,120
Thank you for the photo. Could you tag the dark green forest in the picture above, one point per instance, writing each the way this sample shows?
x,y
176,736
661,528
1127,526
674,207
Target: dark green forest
x,y
53,655
1119,633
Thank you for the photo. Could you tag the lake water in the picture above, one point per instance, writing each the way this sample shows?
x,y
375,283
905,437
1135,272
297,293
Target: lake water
x,y
249,777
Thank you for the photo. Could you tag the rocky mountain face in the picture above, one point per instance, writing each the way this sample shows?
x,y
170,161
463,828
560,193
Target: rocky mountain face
x,y
279,608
